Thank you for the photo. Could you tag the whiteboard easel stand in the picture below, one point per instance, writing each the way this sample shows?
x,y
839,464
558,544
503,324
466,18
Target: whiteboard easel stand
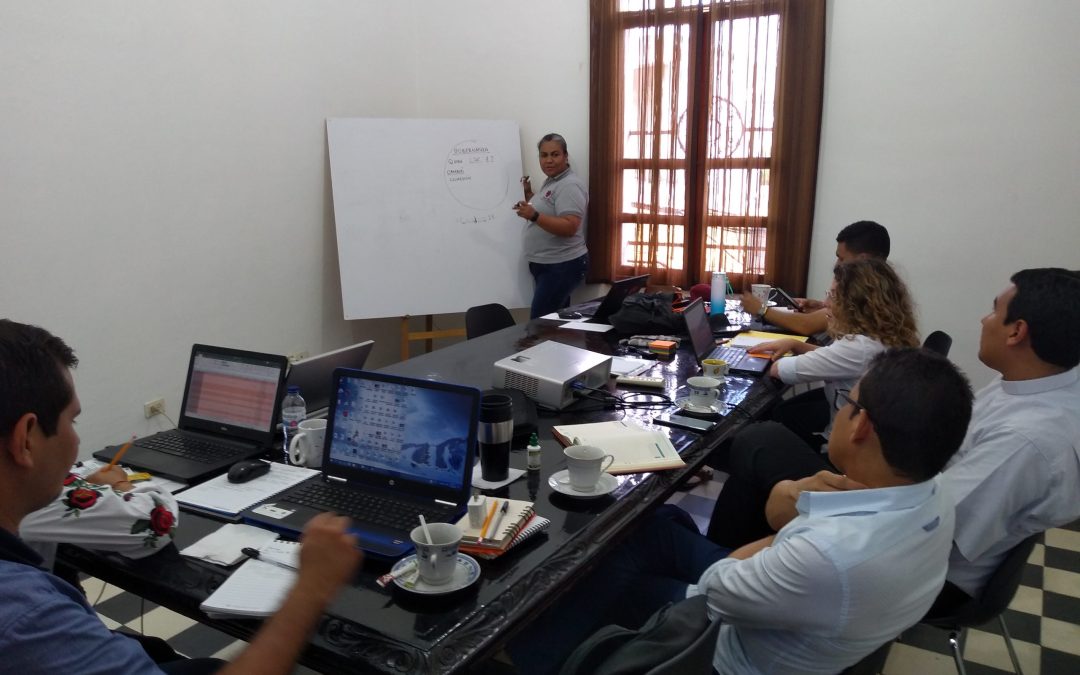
x,y
428,335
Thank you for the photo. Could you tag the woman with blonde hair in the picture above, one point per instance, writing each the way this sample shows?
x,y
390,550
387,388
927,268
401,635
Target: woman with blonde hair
x,y
869,310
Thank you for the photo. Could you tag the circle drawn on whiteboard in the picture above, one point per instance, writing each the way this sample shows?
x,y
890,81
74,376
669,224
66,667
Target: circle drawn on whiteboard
x,y
474,175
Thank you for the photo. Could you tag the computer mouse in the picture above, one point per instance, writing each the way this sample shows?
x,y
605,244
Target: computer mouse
x,y
243,471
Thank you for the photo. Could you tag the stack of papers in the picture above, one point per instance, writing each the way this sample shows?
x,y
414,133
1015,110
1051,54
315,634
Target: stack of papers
x,y
219,497
226,545
258,587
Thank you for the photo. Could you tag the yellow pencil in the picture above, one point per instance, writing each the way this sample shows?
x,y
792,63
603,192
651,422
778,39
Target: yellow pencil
x,y
119,454
487,521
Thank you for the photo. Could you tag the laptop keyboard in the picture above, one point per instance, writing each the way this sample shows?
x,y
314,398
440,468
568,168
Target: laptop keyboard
x,y
368,508
194,449
731,355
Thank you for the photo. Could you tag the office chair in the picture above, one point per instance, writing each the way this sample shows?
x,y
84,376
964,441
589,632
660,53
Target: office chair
x,y
484,319
679,639
992,601
938,342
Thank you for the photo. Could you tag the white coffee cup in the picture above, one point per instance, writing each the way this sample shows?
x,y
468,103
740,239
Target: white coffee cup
x,y
584,464
714,368
703,391
436,561
761,292
306,446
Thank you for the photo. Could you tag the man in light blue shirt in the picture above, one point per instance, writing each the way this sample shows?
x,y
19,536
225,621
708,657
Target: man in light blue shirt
x,y
858,557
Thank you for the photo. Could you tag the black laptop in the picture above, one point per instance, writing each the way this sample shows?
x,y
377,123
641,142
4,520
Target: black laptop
x,y
612,302
705,347
231,403
315,375
396,448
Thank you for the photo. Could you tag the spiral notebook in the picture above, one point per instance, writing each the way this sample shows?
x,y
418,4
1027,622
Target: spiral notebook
x,y
257,588
533,526
501,531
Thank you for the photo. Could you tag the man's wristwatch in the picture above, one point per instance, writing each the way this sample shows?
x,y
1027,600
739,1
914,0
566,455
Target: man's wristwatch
x,y
535,216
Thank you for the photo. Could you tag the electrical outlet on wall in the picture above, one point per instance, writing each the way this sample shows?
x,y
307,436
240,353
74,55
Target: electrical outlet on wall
x,y
298,356
154,407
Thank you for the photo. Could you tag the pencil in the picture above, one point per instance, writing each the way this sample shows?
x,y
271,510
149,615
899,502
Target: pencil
x,y
487,521
498,521
119,454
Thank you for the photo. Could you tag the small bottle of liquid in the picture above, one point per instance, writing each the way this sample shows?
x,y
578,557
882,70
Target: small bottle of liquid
x,y
293,412
533,450
718,296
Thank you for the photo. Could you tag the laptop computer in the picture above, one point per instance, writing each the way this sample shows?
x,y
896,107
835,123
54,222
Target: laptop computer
x,y
705,347
315,375
231,404
395,447
612,302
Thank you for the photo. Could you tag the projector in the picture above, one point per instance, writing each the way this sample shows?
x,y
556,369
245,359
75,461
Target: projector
x,y
546,372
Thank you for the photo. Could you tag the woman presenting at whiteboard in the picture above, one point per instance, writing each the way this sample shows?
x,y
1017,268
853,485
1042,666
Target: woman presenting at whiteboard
x,y
555,235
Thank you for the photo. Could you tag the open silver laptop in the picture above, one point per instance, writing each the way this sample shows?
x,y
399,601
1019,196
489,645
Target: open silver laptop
x,y
315,375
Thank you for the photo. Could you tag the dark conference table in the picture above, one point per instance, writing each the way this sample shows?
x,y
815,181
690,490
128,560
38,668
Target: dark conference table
x,y
370,629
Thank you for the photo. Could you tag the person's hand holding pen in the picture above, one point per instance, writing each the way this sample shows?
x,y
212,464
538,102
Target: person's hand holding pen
x,y
113,476
527,211
526,186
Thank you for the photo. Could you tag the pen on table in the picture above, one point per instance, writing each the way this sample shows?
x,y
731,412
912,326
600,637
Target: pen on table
x,y
254,554
498,521
487,521
119,454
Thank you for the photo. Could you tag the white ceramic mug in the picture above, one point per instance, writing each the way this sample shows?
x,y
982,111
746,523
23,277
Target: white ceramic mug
x,y
306,446
761,292
714,368
436,561
703,391
584,464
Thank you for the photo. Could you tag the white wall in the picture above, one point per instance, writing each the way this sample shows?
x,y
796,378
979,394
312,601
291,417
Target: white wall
x,y
164,177
954,125
163,174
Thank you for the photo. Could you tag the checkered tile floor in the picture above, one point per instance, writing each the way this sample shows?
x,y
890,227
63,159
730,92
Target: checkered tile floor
x,y
121,610
1043,619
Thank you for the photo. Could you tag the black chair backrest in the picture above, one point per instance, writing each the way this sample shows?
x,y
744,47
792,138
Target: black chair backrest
x,y
939,342
484,319
996,594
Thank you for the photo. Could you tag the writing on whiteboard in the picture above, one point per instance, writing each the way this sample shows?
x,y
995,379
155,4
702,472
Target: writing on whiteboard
x,y
475,177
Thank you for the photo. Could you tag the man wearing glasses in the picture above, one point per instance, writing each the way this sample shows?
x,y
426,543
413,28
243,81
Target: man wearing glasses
x,y
1018,470
849,571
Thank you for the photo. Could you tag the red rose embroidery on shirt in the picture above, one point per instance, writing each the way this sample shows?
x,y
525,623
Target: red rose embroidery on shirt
x,y
161,520
81,498
71,478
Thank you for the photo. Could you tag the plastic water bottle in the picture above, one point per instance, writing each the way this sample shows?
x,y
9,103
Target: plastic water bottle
x,y
718,296
293,412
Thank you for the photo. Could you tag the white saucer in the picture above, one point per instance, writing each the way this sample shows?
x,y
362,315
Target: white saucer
x,y
683,403
465,574
560,482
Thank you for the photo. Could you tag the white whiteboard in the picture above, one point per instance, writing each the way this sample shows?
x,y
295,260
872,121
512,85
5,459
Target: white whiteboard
x,y
423,215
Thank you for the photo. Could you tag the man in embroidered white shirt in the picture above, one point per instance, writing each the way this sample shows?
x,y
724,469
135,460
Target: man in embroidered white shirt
x,y
849,569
